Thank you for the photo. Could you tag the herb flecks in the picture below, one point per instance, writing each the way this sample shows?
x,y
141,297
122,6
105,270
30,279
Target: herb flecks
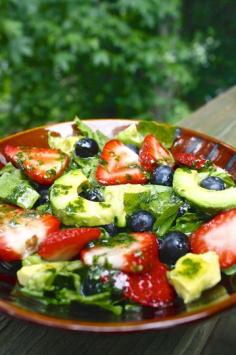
x,y
119,239
190,268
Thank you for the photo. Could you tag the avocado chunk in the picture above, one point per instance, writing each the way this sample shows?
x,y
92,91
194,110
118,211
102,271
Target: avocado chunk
x,y
73,209
41,275
65,144
17,191
186,183
117,194
194,273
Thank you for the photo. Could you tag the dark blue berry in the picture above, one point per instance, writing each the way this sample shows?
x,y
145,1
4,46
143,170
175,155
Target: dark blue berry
x,y
185,207
44,196
133,147
162,175
213,183
111,229
86,147
173,246
92,286
9,268
141,221
92,194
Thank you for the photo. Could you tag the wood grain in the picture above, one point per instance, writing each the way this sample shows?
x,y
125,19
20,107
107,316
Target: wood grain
x,y
217,118
222,340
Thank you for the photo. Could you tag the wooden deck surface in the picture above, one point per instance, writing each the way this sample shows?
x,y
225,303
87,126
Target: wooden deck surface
x,y
212,337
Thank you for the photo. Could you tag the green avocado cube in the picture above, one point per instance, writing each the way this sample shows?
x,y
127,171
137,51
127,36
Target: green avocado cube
x,y
194,273
16,191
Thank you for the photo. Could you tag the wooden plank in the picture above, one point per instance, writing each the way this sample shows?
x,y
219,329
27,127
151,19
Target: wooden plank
x,y
217,118
22,338
222,340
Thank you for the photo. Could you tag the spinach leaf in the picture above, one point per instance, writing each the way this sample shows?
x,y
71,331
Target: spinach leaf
x,y
163,205
166,219
163,132
190,222
86,131
230,270
135,133
60,283
130,135
88,167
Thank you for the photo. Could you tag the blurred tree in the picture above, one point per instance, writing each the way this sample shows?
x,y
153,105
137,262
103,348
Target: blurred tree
x,y
94,58
213,24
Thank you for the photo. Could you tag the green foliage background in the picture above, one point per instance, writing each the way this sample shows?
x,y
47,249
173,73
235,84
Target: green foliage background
x,y
112,58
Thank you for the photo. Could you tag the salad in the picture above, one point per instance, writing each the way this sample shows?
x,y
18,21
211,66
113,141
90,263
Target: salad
x,y
115,223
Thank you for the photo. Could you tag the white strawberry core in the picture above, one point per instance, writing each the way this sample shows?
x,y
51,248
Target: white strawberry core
x,y
223,237
23,239
115,256
123,157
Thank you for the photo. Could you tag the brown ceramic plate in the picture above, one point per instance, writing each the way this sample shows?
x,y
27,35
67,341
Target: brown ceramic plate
x,y
80,318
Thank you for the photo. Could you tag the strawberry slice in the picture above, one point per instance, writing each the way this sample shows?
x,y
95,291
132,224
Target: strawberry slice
x,y
135,252
21,231
217,235
153,153
189,160
150,288
66,244
42,165
120,165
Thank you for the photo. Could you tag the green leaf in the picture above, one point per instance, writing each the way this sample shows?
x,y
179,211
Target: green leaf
x,y
166,219
130,135
135,133
189,222
62,280
86,131
88,167
230,270
164,207
163,132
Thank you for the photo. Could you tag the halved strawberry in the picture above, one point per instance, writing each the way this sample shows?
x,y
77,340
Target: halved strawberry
x,y
42,165
132,253
217,235
120,165
150,288
66,244
21,231
189,160
153,153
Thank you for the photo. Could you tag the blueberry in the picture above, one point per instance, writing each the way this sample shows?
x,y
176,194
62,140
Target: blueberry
x,y
173,246
111,229
133,147
213,183
86,147
162,175
9,268
141,221
44,196
92,286
92,194
185,207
